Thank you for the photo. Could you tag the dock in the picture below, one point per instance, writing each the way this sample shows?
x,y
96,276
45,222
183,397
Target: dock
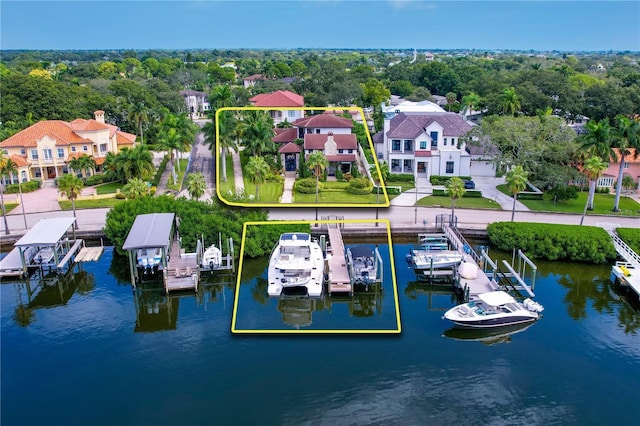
x,y
627,271
339,279
182,272
89,254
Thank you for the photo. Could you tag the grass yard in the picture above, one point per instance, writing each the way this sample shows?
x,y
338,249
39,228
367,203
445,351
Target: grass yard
x,y
335,193
602,204
108,188
100,203
9,206
462,203
270,192
230,184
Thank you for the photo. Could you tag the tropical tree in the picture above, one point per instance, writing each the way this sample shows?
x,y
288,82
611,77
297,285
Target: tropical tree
x,y
221,97
85,164
257,170
136,162
317,162
139,114
6,165
451,99
227,134
597,140
510,101
593,167
71,186
196,185
627,137
170,141
187,131
455,189
256,131
470,101
135,188
516,179
110,166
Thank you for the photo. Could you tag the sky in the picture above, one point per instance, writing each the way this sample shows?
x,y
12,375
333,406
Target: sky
x,y
389,24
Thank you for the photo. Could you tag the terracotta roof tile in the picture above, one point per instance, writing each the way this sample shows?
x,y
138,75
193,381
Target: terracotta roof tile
x,y
123,138
317,141
56,129
285,135
323,121
280,98
82,125
19,160
290,148
342,157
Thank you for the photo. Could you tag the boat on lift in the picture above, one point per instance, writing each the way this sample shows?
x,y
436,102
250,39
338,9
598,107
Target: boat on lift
x,y
212,258
494,309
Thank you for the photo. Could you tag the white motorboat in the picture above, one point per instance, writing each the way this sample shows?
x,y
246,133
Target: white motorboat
x,y
212,257
363,263
149,258
297,261
494,309
424,260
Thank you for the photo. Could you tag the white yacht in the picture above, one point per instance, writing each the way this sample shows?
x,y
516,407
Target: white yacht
x,y
425,260
297,261
212,257
494,309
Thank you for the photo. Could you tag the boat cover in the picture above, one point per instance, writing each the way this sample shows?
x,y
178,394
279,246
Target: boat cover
x,y
496,298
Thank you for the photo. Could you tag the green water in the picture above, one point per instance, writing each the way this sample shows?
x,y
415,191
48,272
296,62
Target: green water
x,y
90,350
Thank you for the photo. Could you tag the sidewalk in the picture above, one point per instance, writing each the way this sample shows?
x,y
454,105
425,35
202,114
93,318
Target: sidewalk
x,y
287,193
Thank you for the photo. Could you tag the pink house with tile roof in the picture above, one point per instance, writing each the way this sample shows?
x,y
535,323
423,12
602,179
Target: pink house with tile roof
x,y
280,100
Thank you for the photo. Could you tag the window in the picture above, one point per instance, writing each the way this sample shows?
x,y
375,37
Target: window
x,y
434,144
34,154
292,114
60,152
317,131
449,167
37,173
341,151
103,147
73,149
85,148
395,165
445,142
395,145
408,145
23,151
46,153
434,136
605,181
350,151
423,144
309,130
626,165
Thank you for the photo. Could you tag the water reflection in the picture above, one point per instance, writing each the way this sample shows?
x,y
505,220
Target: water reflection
x,y
486,337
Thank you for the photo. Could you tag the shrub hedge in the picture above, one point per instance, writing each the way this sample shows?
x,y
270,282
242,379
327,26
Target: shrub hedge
x,y
307,186
554,242
400,177
631,236
469,193
442,180
360,186
30,186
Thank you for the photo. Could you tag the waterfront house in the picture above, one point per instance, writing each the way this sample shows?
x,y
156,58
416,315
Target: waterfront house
x,y
44,150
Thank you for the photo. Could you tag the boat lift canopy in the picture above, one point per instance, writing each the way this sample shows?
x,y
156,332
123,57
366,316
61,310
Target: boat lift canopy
x,y
47,232
149,231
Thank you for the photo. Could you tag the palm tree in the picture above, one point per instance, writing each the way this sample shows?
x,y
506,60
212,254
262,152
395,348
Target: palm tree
x,y
187,130
71,186
135,188
257,170
256,131
510,101
139,114
470,101
170,141
196,185
227,134
84,164
221,97
627,136
317,162
451,99
110,166
597,140
516,179
455,188
6,164
136,162
593,168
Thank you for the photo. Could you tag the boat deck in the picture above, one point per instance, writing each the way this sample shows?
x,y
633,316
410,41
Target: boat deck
x,y
183,272
339,279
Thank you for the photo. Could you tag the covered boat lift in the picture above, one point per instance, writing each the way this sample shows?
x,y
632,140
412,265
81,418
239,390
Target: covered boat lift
x,y
43,246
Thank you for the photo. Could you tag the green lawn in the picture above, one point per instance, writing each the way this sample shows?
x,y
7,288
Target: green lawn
x,y
179,174
603,204
230,184
100,203
270,192
109,188
9,206
404,185
463,203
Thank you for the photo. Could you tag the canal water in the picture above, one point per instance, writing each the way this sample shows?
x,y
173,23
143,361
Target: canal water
x,y
89,350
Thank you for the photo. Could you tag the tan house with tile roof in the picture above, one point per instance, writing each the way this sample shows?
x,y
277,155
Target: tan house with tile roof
x,y
43,150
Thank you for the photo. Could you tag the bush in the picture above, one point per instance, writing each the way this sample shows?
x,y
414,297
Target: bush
x,y
442,180
564,192
554,242
530,195
360,186
275,178
339,174
32,185
355,173
631,236
307,186
400,177
95,180
120,195
469,193
160,171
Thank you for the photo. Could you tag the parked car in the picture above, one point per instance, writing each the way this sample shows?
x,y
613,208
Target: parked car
x,y
469,184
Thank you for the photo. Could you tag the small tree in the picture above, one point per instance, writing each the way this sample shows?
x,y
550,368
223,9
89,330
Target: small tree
x,y
455,189
317,162
516,179
135,188
196,185
257,170
71,186
593,168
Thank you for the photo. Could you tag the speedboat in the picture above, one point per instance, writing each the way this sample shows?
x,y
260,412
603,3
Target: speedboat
x,y
424,260
149,258
296,262
494,309
362,260
212,257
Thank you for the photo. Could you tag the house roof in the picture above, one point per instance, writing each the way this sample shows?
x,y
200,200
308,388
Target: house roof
x,y
46,232
124,138
59,130
326,120
280,98
19,160
149,231
410,126
82,125
342,157
290,148
194,93
378,137
317,141
285,135
255,77
416,107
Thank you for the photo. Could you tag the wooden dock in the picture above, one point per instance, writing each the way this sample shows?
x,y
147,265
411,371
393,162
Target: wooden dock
x,y
339,279
183,272
627,272
89,254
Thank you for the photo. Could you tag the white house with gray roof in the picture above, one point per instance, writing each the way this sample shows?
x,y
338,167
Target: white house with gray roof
x,y
424,144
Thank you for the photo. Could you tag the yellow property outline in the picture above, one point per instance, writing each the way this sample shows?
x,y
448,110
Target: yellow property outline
x,y
386,222
386,202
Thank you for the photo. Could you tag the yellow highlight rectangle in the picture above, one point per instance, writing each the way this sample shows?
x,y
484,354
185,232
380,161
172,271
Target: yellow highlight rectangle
x,y
382,222
385,202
